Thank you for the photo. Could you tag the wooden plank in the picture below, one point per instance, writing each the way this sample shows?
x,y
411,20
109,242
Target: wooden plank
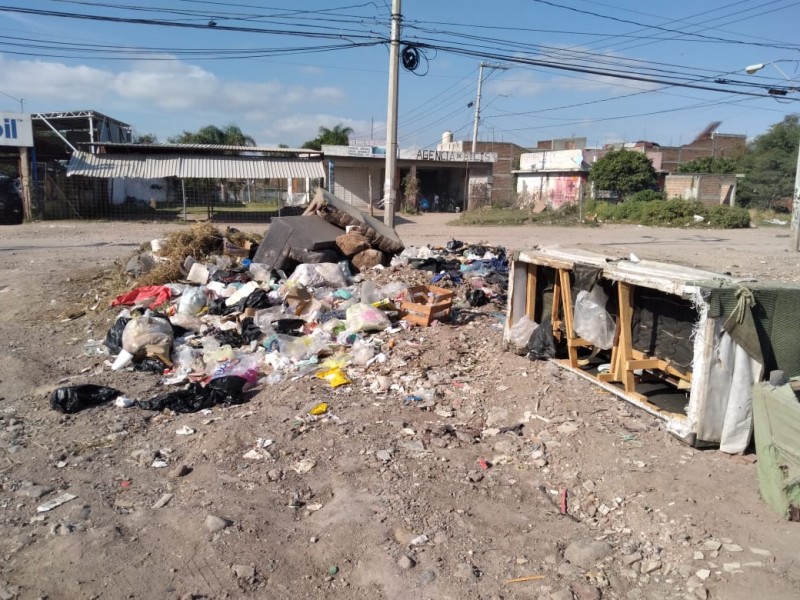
x,y
530,291
555,309
566,300
625,346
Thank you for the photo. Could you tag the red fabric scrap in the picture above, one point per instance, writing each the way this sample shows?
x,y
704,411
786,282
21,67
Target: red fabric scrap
x,y
159,294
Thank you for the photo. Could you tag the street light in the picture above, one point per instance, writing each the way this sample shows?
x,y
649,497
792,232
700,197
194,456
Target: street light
x,y
794,239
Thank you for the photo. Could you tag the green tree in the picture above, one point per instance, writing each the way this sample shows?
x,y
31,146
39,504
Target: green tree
x,y
338,136
145,138
230,135
623,172
709,164
769,166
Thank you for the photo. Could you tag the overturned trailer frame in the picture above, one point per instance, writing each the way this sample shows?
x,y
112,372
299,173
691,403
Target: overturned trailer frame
x,y
676,352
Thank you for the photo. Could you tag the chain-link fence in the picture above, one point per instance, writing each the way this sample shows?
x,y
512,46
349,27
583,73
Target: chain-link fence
x,y
56,196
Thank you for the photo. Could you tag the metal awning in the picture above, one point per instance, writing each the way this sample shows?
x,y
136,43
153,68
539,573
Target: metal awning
x,y
141,166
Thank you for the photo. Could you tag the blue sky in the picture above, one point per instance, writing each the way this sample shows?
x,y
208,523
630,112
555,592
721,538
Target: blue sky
x,y
267,66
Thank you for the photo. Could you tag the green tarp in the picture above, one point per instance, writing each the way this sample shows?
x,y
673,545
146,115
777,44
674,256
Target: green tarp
x,y
776,417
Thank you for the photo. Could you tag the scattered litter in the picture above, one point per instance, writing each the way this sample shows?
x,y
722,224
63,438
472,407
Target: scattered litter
x,y
185,430
56,502
526,578
319,409
163,501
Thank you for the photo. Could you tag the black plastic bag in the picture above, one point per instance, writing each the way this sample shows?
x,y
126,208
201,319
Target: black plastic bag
x,y
257,299
250,331
149,365
218,307
74,398
477,298
288,326
454,245
542,346
114,335
224,390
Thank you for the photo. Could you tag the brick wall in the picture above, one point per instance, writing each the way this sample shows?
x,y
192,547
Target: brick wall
x,y
507,157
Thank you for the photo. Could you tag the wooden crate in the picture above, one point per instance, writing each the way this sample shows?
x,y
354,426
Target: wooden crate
x,y
426,303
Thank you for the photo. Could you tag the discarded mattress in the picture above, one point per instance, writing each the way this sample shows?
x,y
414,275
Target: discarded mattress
x,y
687,345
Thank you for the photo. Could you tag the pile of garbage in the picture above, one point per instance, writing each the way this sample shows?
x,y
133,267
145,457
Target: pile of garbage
x,y
229,324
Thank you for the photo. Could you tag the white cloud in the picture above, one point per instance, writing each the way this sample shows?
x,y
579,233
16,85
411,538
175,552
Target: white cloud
x,y
306,126
171,95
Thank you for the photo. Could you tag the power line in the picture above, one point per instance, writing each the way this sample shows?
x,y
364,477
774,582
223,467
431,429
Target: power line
x,y
659,28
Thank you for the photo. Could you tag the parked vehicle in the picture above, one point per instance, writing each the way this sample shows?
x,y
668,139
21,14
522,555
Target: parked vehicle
x,y
10,203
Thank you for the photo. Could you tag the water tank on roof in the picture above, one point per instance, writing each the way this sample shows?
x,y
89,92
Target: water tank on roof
x,y
447,137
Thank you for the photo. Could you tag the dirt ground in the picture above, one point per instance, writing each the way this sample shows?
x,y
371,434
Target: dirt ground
x,y
648,518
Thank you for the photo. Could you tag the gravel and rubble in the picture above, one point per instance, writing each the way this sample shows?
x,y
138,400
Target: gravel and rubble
x,y
452,469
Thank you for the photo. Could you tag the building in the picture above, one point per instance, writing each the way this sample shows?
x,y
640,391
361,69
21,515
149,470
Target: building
x,y
356,174
709,188
552,178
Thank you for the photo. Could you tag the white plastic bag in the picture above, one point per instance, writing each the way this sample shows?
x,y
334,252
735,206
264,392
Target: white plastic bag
x,y
363,317
313,275
521,332
591,320
193,300
150,334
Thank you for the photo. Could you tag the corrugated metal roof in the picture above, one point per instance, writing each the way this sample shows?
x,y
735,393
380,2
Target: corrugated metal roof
x,y
137,166
203,147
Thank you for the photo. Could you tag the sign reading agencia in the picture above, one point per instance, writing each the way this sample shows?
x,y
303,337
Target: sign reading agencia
x,y
16,129
448,156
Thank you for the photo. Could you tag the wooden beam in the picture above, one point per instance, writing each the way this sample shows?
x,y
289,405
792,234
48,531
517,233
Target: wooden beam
x,y
532,272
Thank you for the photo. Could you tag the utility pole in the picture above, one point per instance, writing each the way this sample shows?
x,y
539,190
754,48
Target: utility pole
x,y
478,99
389,186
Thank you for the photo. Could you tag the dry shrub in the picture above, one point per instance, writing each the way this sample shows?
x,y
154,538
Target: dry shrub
x,y
240,238
200,241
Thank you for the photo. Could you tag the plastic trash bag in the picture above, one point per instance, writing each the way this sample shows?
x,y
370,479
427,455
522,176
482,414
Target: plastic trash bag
x,y
74,398
313,275
114,336
477,297
520,333
157,294
591,321
363,317
362,351
224,390
193,301
542,346
149,335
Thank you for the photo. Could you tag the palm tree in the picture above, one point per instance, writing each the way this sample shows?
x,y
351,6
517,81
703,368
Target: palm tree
x,y
338,136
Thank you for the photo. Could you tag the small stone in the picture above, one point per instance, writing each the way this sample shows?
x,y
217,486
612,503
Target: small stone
x,y
214,523
703,574
562,595
144,457
632,558
491,432
584,591
712,545
405,562
699,556
732,547
31,490
85,512
760,551
701,593
383,455
650,566
466,572
244,571
588,485
275,474
731,567
566,569
475,476
586,553
427,577
180,471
